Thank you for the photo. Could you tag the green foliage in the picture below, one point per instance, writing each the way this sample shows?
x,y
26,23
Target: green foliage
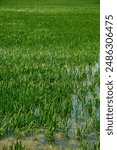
x,y
45,47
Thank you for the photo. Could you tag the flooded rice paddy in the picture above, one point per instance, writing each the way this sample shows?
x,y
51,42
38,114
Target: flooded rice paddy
x,y
49,75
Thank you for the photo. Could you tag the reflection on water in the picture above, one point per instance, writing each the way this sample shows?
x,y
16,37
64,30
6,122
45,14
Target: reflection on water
x,y
95,69
36,112
85,110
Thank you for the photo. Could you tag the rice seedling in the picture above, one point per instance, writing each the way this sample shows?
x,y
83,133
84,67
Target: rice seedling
x,y
15,146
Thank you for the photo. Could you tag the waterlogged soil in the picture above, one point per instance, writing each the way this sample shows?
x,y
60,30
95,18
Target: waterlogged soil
x,y
39,142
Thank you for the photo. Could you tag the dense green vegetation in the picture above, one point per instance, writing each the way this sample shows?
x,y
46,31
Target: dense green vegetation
x,y
49,62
